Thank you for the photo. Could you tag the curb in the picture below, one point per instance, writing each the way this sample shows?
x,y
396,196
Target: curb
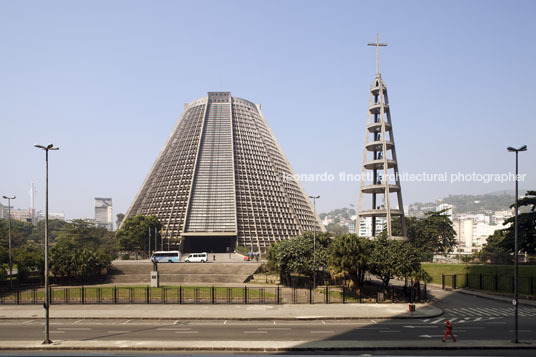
x,y
301,318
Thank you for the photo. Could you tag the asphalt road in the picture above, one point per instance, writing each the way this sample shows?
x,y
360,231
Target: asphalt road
x,y
468,328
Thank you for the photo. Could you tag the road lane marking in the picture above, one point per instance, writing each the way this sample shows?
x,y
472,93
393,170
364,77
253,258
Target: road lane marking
x,y
255,331
74,328
117,331
57,331
323,322
126,322
436,321
186,331
275,328
27,322
477,319
371,328
77,321
473,327
173,329
322,331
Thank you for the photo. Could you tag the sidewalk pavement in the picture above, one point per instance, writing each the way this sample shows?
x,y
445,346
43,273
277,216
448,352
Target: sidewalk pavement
x,y
522,302
223,312
264,346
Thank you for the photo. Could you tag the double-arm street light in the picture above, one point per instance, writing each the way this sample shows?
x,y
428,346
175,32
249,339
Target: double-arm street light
x,y
314,240
516,287
9,238
47,297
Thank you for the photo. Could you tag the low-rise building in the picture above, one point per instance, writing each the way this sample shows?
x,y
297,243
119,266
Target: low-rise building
x,y
21,215
51,215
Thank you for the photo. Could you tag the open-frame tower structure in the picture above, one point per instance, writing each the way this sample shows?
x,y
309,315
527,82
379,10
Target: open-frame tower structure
x,y
380,179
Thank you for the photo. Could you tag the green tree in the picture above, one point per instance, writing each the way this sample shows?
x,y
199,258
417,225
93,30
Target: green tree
x,y
433,234
20,231
493,251
349,254
391,258
4,262
28,258
526,223
54,227
337,229
295,255
119,218
134,234
82,251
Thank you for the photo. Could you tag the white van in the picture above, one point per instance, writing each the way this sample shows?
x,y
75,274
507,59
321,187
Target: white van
x,y
197,258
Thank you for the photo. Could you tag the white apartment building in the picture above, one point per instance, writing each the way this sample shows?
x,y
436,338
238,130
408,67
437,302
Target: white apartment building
x,y
500,216
365,226
473,231
447,207
104,213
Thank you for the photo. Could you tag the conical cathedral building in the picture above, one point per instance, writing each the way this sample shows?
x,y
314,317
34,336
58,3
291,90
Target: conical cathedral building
x,y
222,180
380,194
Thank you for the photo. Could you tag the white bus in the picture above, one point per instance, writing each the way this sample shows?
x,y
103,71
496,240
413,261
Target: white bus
x,y
172,256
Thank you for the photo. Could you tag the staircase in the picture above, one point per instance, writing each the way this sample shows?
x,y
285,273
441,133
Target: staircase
x,y
139,272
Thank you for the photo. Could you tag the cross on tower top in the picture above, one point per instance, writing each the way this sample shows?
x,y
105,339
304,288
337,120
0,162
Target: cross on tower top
x,y
377,44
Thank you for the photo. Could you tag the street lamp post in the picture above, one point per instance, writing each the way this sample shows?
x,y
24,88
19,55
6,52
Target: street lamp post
x,y
516,287
9,239
314,240
47,340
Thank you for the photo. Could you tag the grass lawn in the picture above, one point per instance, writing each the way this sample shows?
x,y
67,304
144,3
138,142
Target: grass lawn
x,y
435,270
504,274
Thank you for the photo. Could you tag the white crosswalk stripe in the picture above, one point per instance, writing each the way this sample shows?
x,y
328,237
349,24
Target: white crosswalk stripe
x,y
489,312
460,320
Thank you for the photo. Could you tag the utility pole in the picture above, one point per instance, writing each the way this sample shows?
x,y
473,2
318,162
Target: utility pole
x,y
314,240
47,340
516,249
9,239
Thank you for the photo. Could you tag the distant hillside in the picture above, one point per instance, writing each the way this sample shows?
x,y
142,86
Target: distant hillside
x,y
472,203
345,213
479,203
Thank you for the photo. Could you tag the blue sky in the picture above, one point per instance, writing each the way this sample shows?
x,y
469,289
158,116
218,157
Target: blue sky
x,y
106,81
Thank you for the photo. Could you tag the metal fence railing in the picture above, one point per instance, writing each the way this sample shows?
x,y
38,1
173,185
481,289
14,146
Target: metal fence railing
x,y
213,295
498,283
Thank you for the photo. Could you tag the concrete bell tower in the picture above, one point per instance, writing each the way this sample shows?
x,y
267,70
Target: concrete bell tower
x,y
380,188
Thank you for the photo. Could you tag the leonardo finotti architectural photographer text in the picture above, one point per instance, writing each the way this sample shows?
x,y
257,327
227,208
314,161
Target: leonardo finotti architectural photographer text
x,y
408,177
